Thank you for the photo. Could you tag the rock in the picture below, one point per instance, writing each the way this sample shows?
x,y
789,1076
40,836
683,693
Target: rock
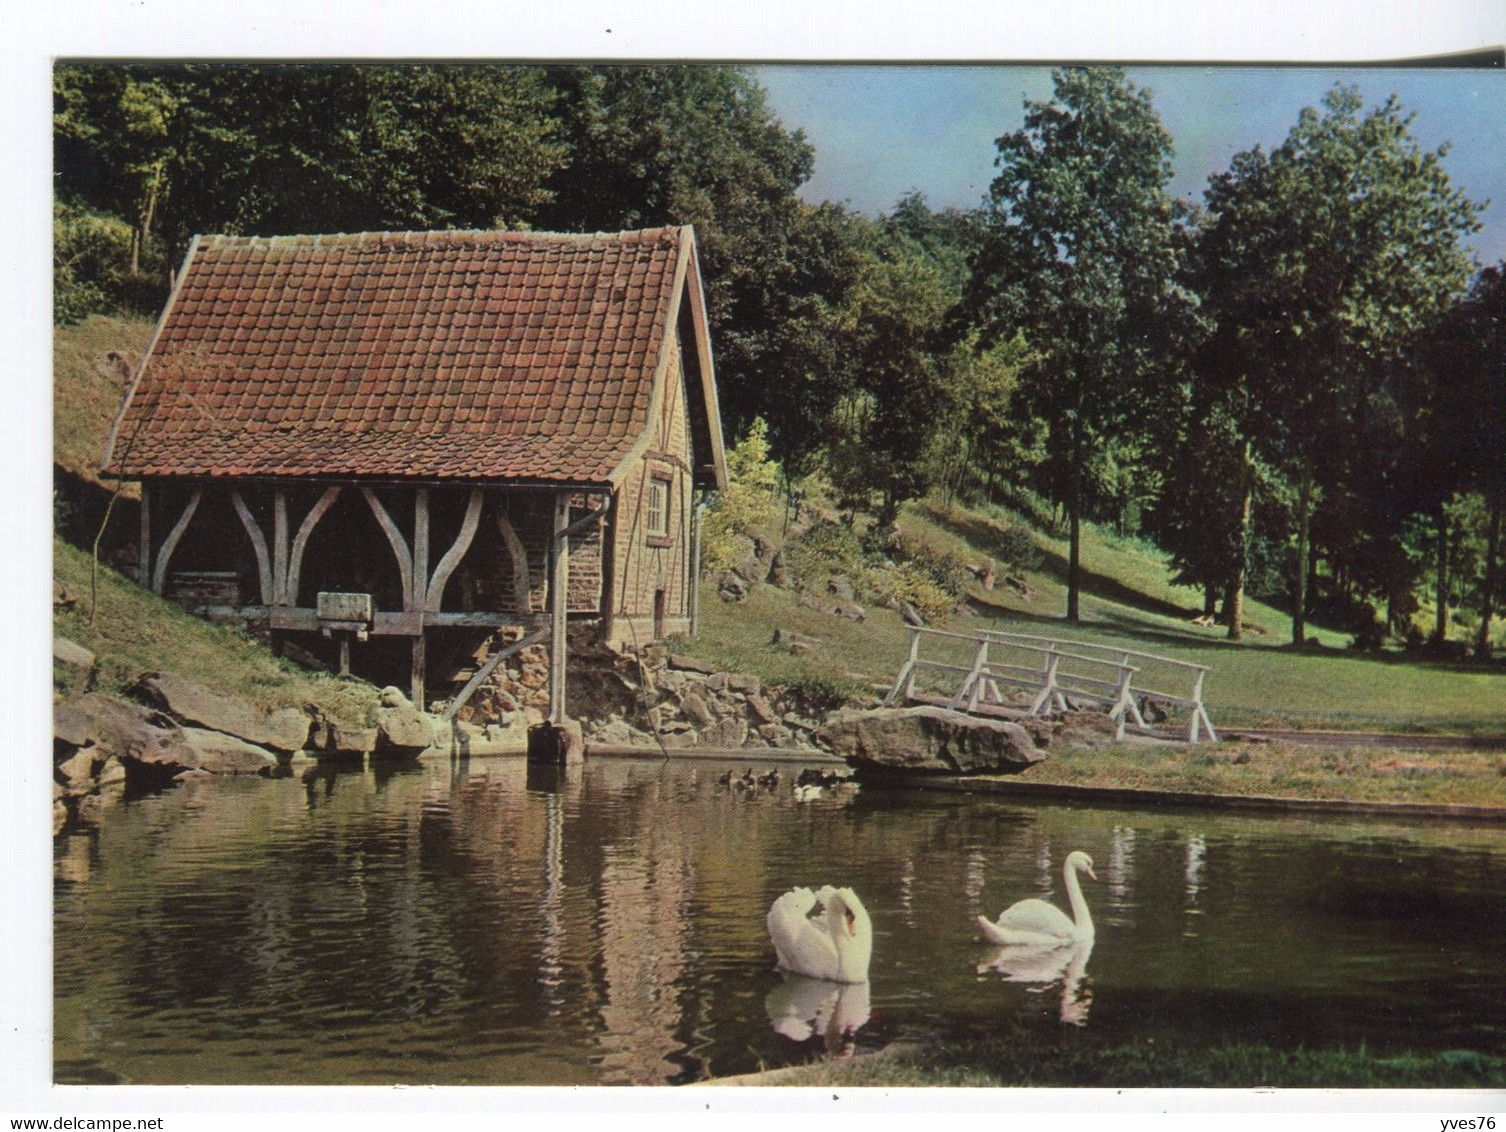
x,y
76,774
751,569
110,772
218,753
71,729
691,664
142,738
780,574
190,702
725,733
66,652
716,682
840,587
851,611
64,596
59,816
928,740
760,710
620,733
730,586
695,708
911,617
776,735
401,727
743,683
797,643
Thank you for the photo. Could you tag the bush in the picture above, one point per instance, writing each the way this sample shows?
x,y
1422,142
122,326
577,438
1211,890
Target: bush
x,y
817,694
749,506
1016,547
89,252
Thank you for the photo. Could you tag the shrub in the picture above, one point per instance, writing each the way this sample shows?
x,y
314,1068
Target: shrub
x,y
1016,547
819,693
749,506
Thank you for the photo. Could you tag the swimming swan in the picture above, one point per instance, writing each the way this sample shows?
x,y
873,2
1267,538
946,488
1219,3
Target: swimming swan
x,y
835,945
1039,924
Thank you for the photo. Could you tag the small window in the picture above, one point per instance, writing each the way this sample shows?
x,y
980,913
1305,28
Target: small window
x,y
658,508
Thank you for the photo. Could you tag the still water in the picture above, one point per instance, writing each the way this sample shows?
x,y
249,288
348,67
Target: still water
x,y
492,923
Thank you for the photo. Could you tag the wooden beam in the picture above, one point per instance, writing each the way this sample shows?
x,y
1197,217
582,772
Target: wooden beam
x,y
144,556
301,541
522,580
452,557
170,544
279,546
486,670
420,549
395,538
258,544
559,601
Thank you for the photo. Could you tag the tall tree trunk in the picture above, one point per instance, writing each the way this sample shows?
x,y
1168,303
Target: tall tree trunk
x,y
1492,575
1304,552
1234,600
1440,623
1210,598
1074,538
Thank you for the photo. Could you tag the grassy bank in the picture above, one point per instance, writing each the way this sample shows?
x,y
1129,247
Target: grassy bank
x,y
1283,770
990,1064
134,631
1259,682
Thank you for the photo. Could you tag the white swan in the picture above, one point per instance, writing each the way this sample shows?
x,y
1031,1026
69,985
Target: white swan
x,y
802,1008
835,944
1038,924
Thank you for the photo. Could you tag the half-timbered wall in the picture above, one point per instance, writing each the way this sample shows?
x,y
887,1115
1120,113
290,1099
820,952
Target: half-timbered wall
x,y
653,569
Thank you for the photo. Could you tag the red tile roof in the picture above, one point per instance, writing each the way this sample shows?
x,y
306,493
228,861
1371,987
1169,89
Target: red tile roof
x,y
469,355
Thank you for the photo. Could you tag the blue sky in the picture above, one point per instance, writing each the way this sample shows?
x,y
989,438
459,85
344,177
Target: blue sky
x,y
881,131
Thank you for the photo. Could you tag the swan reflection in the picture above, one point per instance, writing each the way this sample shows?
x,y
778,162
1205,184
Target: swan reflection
x,y
1024,963
802,1008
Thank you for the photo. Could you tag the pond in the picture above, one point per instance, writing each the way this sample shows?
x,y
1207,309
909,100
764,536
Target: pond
x,y
488,922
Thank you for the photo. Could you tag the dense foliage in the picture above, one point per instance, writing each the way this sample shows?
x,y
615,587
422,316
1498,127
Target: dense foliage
x,y
1298,391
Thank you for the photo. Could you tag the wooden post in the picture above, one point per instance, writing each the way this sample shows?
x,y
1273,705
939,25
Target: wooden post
x,y
279,546
144,557
419,595
559,601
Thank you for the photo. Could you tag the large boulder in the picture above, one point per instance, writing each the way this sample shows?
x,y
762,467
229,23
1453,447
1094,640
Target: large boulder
x,y
928,740
192,703
401,727
216,752
108,726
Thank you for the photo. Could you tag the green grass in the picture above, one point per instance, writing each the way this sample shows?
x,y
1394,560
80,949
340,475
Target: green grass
x,y
1282,770
134,631
991,1064
87,391
1128,602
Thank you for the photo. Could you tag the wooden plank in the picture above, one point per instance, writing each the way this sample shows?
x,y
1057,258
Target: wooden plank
x,y
258,545
416,599
522,581
434,590
486,670
301,541
559,601
395,539
170,544
279,547
144,555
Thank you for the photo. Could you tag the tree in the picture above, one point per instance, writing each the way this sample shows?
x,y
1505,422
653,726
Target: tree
x,y
1321,264
1081,253
179,149
652,145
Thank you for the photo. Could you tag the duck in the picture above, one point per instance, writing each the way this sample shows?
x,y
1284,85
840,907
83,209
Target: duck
x,y
1039,924
807,793
770,780
824,934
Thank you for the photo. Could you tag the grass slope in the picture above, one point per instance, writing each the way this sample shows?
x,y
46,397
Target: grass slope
x,y
134,631
87,388
1128,602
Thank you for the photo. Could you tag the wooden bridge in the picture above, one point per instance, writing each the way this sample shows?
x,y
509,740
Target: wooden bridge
x,y
1053,670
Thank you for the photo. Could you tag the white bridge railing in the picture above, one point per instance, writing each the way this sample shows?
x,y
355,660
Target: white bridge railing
x,y
1053,670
